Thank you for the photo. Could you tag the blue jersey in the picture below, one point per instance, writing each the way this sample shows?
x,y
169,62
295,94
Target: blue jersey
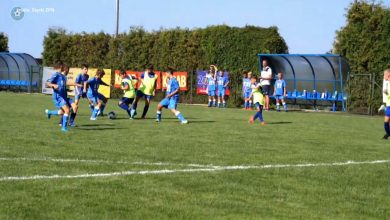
x,y
80,79
172,86
210,83
280,85
221,81
93,86
246,85
60,80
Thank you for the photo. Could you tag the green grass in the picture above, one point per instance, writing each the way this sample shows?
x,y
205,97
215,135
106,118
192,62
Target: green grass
x,y
220,137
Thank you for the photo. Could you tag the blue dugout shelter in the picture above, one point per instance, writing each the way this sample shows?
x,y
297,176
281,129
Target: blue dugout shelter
x,y
19,70
314,78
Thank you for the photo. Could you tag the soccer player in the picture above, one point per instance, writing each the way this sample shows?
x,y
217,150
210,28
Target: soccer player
x,y
127,85
386,77
210,82
280,92
387,111
258,100
222,83
265,81
246,90
94,97
171,99
81,79
147,89
58,83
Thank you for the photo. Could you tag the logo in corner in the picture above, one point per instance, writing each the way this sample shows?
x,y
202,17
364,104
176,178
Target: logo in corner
x,y
17,13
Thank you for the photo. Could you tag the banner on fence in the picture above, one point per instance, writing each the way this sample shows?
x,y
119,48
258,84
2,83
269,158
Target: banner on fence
x,y
73,72
201,87
182,78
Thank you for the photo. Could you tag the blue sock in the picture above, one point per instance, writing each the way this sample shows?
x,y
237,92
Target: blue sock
x,y
261,114
72,117
158,115
278,107
91,107
219,105
94,113
210,103
180,116
65,121
285,107
53,112
387,128
245,104
146,108
215,103
123,106
256,116
102,108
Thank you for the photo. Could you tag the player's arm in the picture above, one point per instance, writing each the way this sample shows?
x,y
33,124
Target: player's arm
x,y
284,91
51,85
73,84
226,84
275,89
85,87
173,93
125,86
103,83
52,82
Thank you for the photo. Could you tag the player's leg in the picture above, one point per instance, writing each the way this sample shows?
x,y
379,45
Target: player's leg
x,y
103,102
65,108
96,103
245,100
223,99
58,111
214,99
163,104
284,104
146,107
277,98
73,112
172,106
249,103
386,123
210,98
124,104
91,102
133,111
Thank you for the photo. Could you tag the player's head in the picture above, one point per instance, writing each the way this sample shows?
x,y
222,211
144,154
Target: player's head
x,y
245,74
123,73
65,70
265,63
149,68
280,75
253,79
221,73
84,68
386,74
99,73
169,73
249,75
59,66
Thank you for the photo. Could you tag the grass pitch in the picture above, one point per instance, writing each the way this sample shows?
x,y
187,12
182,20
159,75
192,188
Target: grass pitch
x,y
33,146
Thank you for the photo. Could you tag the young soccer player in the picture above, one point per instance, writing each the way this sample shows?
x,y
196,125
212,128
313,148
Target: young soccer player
x,y
258,100
127,85
386,76
222,83
387,111
81,79
94,97
147,89
210,82
280,92
171,99
58,83
246,90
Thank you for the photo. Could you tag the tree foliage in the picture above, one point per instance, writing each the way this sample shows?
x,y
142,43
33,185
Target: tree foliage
x,y
3,42
365,42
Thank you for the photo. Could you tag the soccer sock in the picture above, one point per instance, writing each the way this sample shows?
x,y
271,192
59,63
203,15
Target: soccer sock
x,y
146,108
158,115
72,117
95,111
210,103
256,116
278,106
245,104
224,104
65,121
215,102
91,107
387,128
250,104
219,104
54,112
180,116
261,114
102,108
284,106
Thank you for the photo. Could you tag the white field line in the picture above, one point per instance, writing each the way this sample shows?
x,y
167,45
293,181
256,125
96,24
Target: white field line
x,y
211,169
66,160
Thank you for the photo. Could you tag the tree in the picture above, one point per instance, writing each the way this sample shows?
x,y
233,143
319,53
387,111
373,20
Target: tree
x,y
3,42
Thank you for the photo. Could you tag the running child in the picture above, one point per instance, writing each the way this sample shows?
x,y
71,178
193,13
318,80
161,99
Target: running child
x,y
222,83
280,92
387,111
210,82
127,85
58,83
386,77
94,97
147,90
246,90
171,99
258,100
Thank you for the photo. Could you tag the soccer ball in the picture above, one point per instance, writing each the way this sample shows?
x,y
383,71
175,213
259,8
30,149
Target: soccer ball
x,y
111,115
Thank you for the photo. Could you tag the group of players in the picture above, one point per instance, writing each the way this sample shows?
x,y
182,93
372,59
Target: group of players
x,y
88,88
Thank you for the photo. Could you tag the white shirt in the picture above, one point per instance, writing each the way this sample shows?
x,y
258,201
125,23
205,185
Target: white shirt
x,y
266,73
385,90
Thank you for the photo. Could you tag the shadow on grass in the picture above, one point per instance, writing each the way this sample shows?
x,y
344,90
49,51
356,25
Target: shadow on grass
x,y
279,122
94,125
98,128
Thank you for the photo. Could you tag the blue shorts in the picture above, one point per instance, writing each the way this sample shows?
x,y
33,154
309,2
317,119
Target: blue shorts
x,y
141,94
221,92
127,101
279,97
387,112
59,102
211,92
257,105
169,103
247,94
95,98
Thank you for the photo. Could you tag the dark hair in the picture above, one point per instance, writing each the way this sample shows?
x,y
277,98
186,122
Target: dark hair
x,y
65,69
253,77
122,72
84,66
100,72
150,67
59,65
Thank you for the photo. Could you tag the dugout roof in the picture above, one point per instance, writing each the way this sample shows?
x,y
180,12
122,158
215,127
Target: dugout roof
x,y
17,66
320,72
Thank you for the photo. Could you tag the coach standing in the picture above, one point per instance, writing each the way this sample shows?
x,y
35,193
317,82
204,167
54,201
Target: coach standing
x,y
265,82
